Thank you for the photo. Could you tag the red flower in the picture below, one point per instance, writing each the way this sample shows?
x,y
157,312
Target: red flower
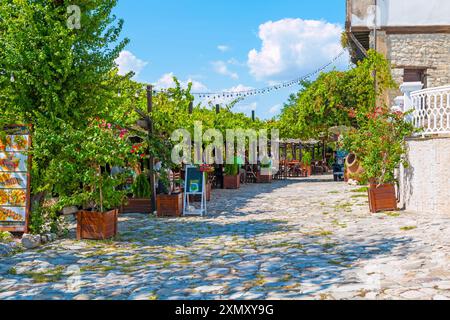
x,y
352,113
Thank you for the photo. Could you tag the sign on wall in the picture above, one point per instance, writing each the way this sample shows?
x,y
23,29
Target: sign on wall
x,y
15,143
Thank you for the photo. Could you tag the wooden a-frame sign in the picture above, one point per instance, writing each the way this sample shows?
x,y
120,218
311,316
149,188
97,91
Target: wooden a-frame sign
x,y
194,185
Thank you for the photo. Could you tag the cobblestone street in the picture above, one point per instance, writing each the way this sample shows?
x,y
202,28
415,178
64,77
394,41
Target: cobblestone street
x,y
296,239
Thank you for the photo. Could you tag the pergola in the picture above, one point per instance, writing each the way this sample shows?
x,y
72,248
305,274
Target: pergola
x,y
301,145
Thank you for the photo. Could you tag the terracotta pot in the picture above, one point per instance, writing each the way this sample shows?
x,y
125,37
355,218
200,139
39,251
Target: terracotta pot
x,y
137,206
231,182
169,205
382,198
354,170
97,225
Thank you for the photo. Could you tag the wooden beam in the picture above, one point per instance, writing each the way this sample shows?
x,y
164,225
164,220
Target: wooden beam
x,y
407,29
151,159
357,43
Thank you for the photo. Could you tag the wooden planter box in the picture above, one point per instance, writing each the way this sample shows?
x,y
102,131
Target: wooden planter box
x,y
169,205
231,182
382,198
97,225
137,206
264,178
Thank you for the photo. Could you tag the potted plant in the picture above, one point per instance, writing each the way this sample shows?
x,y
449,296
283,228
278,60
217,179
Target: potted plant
x,y
380,145
306,163
264,175
169,202
141,200
231,179
83,179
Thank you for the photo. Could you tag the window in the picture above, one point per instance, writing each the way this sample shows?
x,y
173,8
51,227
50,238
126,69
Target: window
x,y
415,75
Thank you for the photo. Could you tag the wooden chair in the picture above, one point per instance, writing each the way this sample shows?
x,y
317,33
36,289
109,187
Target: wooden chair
x,y
250,175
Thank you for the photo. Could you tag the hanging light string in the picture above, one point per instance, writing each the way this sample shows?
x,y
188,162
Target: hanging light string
x,y
254,92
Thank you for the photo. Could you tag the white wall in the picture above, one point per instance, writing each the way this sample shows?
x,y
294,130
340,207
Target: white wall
x,y
394,13
425,184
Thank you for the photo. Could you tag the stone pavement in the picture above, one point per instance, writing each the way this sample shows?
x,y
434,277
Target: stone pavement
x,y
296,239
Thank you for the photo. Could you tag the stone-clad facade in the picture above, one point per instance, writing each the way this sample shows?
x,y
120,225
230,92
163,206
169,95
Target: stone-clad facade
x,y
430,51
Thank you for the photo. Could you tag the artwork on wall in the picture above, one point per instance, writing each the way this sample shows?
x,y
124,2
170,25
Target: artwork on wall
x,y
15,144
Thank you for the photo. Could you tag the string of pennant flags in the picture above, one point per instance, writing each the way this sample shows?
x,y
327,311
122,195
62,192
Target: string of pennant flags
x,y
261,91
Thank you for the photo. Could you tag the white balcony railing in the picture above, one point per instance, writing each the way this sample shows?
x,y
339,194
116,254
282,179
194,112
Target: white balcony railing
x,y
432,110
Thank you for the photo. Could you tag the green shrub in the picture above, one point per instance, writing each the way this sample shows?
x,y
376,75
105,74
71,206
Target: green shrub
x,y
5,237
141,187
231,169
307,158
266,163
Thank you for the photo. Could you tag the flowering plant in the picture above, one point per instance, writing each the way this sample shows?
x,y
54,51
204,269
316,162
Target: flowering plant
x,y
81,170
380,144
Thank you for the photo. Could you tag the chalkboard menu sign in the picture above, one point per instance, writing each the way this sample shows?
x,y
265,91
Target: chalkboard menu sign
x,y
15,143
194,185
194,180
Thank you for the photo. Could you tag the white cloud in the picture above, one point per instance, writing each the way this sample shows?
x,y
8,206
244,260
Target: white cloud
x,y
221,67
239,88
223,48
294,47
275,109
127,62
246,108
166,81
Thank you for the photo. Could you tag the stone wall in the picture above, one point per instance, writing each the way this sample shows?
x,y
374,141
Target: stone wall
x,y
425,185
420,50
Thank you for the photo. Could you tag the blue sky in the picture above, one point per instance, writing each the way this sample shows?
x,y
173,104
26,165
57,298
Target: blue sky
x,y
227,45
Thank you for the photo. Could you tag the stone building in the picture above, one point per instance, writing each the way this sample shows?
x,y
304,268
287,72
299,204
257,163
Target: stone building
x,y
415,37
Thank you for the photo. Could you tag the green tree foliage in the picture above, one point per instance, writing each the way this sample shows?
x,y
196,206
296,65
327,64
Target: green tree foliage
x,y
79,172
62,76
171,112
335,98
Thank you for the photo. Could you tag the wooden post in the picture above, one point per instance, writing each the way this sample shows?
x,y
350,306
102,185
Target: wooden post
x,y
301,152
219,175
253,115
151,159
191,107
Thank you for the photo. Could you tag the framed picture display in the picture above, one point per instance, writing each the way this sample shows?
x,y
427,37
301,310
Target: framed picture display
x,y
15,143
